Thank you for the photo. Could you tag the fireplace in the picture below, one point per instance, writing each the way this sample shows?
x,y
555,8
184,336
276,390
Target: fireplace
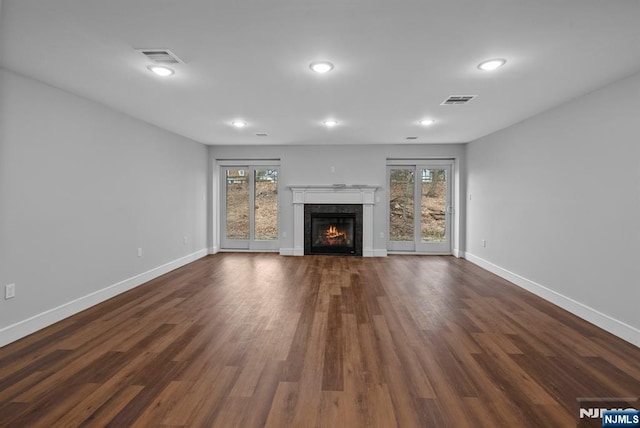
x,y
357,198
333,229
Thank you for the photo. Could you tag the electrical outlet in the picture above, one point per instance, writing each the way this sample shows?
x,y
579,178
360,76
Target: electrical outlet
x,y
382,234
139,252
9,291
484,243
284,234
184,240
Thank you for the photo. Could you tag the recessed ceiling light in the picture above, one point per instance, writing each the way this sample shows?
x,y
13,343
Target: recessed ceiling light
x,y
321,66
330,123
239,123
161,70
492,64
427,122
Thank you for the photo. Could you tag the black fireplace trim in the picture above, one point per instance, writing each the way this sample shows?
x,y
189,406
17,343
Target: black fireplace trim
x,y
333,209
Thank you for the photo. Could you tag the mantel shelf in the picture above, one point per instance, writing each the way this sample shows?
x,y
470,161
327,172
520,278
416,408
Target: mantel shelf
x,y
334,187
334,194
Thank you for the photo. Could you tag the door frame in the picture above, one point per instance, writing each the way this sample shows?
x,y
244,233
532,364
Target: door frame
x,y
250,244
417,246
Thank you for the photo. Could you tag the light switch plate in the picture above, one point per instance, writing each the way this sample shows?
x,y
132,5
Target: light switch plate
x,y
9,291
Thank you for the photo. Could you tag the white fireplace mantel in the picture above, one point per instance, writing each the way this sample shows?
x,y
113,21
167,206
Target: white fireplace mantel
x,y
333,194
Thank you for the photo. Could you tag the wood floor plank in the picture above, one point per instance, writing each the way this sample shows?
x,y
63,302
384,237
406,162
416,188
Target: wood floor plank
x,y
257,339
483,414
86,408
165,403
380,411
249,376
104,415
310,391
48,416
505,368
259,403
283,406
332,377
205,399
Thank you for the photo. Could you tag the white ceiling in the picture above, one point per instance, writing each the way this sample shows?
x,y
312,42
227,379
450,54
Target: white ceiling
x,y
395,62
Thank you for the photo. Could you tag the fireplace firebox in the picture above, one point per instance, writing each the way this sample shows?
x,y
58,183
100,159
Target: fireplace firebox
x,y
333,233
333,229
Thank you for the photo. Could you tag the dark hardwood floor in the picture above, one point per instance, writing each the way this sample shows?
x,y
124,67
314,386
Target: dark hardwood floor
x,y
248,340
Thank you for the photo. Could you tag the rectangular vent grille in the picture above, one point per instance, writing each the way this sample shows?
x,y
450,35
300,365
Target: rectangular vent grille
x,y
412,138
160,56
261,134
458,99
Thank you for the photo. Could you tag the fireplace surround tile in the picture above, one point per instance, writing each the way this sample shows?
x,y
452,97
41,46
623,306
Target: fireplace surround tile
x,y
337,210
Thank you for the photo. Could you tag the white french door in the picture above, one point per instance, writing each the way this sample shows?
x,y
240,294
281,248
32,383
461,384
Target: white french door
x,y
249,207
420,207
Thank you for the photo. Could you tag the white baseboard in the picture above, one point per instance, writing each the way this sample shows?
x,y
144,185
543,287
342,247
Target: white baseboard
x,y
214,250
457,253
612,325
379,252
417,253
37,322
292,251
242,250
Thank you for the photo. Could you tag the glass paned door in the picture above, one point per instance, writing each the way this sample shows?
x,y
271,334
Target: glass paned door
x,y
420,208
435,210
237,204
265,203
250,208
401,209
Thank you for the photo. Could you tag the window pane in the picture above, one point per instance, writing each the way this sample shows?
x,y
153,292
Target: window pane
x,y
266,204
237,204
434,204
401,185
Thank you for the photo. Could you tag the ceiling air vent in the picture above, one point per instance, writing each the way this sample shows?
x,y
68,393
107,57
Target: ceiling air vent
x,y
160,56
261,134
458,99
412,138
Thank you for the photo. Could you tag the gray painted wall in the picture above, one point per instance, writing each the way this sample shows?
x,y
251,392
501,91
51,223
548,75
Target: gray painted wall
x,y
82,187
354,164
557,198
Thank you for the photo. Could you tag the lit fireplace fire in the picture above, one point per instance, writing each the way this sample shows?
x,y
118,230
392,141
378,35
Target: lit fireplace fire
x,y
333,236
